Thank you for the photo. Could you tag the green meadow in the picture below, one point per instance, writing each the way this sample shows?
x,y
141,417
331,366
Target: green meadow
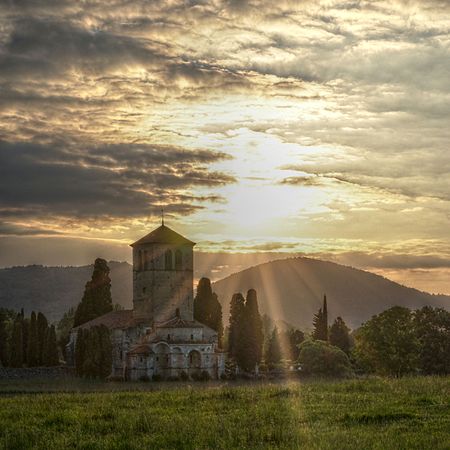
x,y
374,413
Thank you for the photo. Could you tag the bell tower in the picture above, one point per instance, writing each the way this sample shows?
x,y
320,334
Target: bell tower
x,y
163,270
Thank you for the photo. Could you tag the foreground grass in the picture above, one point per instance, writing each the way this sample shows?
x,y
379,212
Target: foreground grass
x,y
375,413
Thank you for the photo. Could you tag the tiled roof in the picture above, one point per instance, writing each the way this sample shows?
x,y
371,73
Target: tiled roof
x,y
163,235
112,320
141,349
178,322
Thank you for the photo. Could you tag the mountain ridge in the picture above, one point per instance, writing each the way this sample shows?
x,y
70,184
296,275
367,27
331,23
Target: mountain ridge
x,y
295,299
315,279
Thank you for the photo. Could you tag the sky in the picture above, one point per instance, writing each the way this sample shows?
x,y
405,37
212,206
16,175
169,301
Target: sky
x,y
318,128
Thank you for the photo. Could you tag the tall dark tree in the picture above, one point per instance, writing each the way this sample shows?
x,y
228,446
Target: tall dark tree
x,y
16,346
273,354
42,329
105,359
93,352
4,344
207,308
63,330
97,299
50,352
295,338
251,337
80,351
432,329
6,320
32,346
237,307
25,332
340,335
320,323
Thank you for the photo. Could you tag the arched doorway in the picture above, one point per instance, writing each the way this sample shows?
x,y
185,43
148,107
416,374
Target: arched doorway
x,y
162,359
177,359
194,361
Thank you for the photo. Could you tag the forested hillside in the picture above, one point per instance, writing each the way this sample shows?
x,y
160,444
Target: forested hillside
x,y
53,290
292,290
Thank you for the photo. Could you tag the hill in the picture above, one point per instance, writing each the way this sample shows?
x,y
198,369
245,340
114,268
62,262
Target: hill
x,y
53,290
292,290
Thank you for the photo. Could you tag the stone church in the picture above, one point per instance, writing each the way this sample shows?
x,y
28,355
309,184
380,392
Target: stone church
x,y
159,336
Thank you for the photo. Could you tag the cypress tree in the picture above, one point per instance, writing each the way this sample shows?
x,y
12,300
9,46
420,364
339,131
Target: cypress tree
x,y
4,344
237,307
249,351
207,309
51,357
97,298
340,335
42,330
25,332
80,350
273,355
320,322
32,346
16,357
105,353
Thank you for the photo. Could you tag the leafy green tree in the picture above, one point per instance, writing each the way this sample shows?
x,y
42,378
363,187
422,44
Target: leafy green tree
x,y
42,330
237,307
16,357
432,329
249,351
97,299
32,346
320,358
294,338
320,322
50,353
340,335
207,309
387,343
273,355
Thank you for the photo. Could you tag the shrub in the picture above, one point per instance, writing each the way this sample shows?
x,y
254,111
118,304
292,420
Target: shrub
x,y
321,358
202,376
156,377
173,378
184,376
205,376
145,378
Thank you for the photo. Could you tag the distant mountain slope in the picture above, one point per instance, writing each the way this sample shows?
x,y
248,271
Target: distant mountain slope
x,y
53,290
292,290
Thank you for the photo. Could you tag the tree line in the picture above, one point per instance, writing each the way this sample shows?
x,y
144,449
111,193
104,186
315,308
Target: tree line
x,y
395,342
27,341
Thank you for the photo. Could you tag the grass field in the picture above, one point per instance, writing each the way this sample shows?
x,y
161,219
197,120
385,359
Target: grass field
x,y
410,413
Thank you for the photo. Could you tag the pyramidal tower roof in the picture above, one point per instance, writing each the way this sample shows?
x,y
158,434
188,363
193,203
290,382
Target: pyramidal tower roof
x,y
163,235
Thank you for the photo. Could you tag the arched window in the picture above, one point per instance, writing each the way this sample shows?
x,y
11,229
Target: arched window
x,y
178,260
168,260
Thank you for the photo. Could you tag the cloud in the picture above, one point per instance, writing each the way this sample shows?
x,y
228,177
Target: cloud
x,y
116,180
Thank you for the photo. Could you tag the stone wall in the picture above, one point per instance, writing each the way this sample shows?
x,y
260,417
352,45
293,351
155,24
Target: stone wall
x,y
9,373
